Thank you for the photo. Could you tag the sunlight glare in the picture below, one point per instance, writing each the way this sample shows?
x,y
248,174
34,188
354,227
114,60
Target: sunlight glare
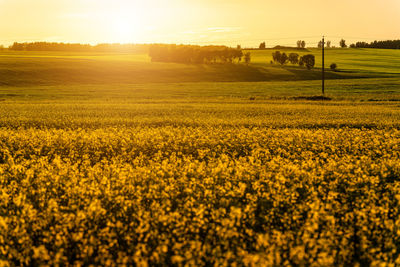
x,y
123,30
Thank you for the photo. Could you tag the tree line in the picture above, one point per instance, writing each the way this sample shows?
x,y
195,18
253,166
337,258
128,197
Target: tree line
x,y
47,46
282,58
196,54
387,44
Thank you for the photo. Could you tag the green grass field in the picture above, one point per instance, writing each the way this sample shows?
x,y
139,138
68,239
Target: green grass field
x,y
62,68
111,160
365,62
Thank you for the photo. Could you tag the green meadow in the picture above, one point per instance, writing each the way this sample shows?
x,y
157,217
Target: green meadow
x,y
67,68
365,62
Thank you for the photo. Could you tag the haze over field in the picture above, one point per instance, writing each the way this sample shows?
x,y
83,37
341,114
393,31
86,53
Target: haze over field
x,y
177,21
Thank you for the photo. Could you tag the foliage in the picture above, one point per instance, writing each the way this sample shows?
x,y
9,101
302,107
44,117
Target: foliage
x,y
279,57
193,54
333,66
262,45
301,44
293,58
46,46
328,44
308,61
342,43
247,58
276,56
387,44
283,59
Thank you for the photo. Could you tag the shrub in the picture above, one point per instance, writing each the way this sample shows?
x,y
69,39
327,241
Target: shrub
x,y
342,43
276,56
294,58
283,59
308,61
333,66
247,58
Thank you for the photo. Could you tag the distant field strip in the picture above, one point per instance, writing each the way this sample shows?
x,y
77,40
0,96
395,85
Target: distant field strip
x,y
60,68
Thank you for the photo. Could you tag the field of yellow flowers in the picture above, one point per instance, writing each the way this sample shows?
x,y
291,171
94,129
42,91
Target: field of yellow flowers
x,y
199,183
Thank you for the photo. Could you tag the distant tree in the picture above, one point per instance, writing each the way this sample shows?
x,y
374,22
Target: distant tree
x,y
283,59
342,43
299,44
333,66
262,45
276,56
388,44
303,44
193,54
320,44
238,53
353,46
239,47
328,44
247,58
308,61
17,47
294,58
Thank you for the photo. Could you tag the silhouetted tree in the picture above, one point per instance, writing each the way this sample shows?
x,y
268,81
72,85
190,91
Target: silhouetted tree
x,y
342,43
333,66
308,61
328,44
262,45
283,59
238,53
45,46
247,58
303,44
193,54
276,56
388,44
320,44
299,44
294,58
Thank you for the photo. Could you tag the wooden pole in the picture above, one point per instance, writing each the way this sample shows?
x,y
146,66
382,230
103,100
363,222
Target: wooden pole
x,y
323,66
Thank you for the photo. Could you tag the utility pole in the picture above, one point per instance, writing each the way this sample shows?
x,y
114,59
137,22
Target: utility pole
x,y
323,66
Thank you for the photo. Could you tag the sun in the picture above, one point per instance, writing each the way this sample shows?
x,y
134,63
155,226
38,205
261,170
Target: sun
x,y
123,30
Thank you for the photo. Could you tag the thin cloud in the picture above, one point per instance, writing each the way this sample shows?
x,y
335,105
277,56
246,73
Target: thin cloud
x,y
224,29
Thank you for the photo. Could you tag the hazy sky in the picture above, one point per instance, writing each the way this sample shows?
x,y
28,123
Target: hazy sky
x,y
198,21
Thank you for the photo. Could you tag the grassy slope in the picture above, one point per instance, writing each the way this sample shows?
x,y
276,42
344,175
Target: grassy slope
x,y
55,68
362,61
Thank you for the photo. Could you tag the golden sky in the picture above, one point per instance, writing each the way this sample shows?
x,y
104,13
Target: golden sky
x,y
198,21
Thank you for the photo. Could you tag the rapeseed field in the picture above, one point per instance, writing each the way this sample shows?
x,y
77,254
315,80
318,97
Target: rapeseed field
x,y
195,184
